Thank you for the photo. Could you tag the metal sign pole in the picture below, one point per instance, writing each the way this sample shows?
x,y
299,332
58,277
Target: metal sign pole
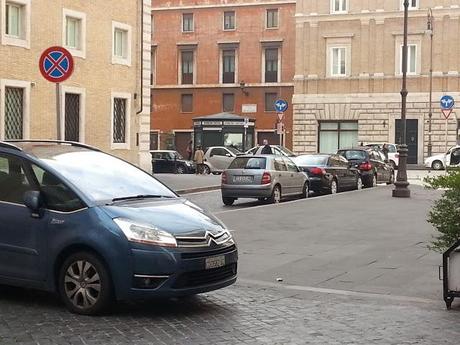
x,y
447,122
58,111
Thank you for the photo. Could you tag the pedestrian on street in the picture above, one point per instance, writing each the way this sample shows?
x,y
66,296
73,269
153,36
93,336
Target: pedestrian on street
x,y
199,160
266,150
190,150
385,151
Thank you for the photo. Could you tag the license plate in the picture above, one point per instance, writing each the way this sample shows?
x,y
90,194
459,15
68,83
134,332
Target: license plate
x,y
243,179
215,262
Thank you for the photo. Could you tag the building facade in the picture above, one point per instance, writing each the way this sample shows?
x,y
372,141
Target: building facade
x,y
216,57
106,102
348,74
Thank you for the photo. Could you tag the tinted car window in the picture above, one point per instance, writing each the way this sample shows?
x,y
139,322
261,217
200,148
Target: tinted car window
x,y
157,155
57,195
354,154
316,161
291,165
13,180
279,165
100,176
392,148
218,152
248,163
234,150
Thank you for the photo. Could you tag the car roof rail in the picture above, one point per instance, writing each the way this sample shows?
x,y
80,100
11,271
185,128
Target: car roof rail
x,y
8,145
72,143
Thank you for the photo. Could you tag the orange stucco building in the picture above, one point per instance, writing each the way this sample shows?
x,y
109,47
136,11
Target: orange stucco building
x,y
219,56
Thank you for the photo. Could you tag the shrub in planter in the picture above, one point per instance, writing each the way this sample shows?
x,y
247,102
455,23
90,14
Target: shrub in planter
x,y
445,214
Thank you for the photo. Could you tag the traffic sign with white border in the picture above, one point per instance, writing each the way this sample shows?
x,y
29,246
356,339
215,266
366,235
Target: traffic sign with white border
x,y
281,105
447,102
56,64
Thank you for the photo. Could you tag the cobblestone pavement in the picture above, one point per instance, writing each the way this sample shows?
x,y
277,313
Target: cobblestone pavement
x,y
242,314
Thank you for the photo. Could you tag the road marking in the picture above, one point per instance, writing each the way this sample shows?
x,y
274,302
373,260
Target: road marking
x,y
251,208
336,291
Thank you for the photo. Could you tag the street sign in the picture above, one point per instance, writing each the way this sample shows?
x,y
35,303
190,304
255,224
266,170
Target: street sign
x,y
447,102
246,122
56,64
280,116
281,105
279,129
446,113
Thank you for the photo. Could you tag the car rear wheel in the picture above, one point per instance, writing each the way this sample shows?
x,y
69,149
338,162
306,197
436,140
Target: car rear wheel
x,y
84,284
276,195
334,186
305,190
180,169
437,165
206,170
228,201
359,183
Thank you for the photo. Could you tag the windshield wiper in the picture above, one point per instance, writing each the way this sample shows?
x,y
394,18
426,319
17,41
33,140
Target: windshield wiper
x,y
141,196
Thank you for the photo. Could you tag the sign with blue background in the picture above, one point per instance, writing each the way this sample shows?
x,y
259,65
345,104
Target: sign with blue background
x,y
447,102
281,105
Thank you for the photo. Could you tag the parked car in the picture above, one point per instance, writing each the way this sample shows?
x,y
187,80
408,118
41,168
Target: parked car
x,y
450,158
263,177
393,155
218,158
329,173
168,161
277,150
95,228
371,165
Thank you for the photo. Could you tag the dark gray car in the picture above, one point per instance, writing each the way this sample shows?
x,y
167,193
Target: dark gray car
x,y
263,177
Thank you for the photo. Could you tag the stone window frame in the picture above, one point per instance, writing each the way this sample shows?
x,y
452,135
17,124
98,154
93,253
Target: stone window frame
x,y
272,45
183,22
234,20
332,43
26,86
332,8
81,16
277,10
412,40
228,46
24,40
82,111
118,60
127,144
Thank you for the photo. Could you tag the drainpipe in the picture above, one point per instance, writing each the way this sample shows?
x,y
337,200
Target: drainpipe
x,y
141,55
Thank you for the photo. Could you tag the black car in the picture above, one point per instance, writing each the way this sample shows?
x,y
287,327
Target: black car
x,y
371,164
167,161
329,173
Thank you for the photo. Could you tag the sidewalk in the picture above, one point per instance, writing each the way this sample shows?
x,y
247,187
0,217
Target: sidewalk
x,y
189,183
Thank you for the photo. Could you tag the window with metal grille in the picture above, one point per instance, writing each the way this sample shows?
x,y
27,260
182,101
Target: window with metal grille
x,y
271,65
14,112
72,117
228,64
270,99
229,20
187,67
272,18
187,103
119,120
187,22
228,102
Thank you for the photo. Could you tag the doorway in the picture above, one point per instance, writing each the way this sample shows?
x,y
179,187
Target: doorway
x,y
411,138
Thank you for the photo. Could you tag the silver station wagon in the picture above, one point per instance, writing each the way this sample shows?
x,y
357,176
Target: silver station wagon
x,y
263,177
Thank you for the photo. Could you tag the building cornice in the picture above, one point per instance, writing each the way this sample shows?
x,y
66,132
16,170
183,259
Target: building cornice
x,y
232,5
220,86
379,15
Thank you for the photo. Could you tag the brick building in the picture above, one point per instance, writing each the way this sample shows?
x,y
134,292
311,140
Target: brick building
x,y
105,103
220,57
348,73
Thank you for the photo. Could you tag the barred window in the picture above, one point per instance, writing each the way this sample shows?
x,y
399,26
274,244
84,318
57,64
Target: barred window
x,y
72,117
14,112
119,120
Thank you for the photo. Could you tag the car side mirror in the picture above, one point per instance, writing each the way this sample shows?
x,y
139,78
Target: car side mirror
x,y
33,200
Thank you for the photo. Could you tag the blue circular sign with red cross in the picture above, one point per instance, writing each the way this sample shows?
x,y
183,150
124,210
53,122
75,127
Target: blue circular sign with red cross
x,y
56,64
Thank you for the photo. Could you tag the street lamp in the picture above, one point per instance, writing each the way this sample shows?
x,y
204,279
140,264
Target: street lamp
x,y
430,31
401,185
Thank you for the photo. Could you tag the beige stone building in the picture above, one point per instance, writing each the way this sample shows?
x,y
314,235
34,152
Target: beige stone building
x,y
348,74
106,102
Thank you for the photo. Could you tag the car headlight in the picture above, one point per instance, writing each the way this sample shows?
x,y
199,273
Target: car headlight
x,y
145,233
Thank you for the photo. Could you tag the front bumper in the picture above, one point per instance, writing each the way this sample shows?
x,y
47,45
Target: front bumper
x,y
179,271
246,191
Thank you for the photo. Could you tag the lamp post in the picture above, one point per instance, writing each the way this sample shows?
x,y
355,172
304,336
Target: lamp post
x,y
430,28
401,185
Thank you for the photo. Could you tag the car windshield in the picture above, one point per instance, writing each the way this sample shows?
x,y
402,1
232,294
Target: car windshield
x,y
99,176
233,150
353,154
248,163
316,161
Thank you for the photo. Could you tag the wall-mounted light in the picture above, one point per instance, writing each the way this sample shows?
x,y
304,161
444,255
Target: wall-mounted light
x,y
243,88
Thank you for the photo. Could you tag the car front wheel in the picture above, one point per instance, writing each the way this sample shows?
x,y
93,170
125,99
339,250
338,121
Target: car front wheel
x,y
180,170
84,284
437,165
305,190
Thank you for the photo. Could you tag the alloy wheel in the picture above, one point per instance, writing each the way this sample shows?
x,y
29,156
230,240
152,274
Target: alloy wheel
x,y
180,170
306,191
206,170
437,165
334,187
276,195
359,183
82,284
374,181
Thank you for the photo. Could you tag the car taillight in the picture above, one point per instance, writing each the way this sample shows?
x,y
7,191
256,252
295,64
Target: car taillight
x,y
266,178
318,171
224,178
365,166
